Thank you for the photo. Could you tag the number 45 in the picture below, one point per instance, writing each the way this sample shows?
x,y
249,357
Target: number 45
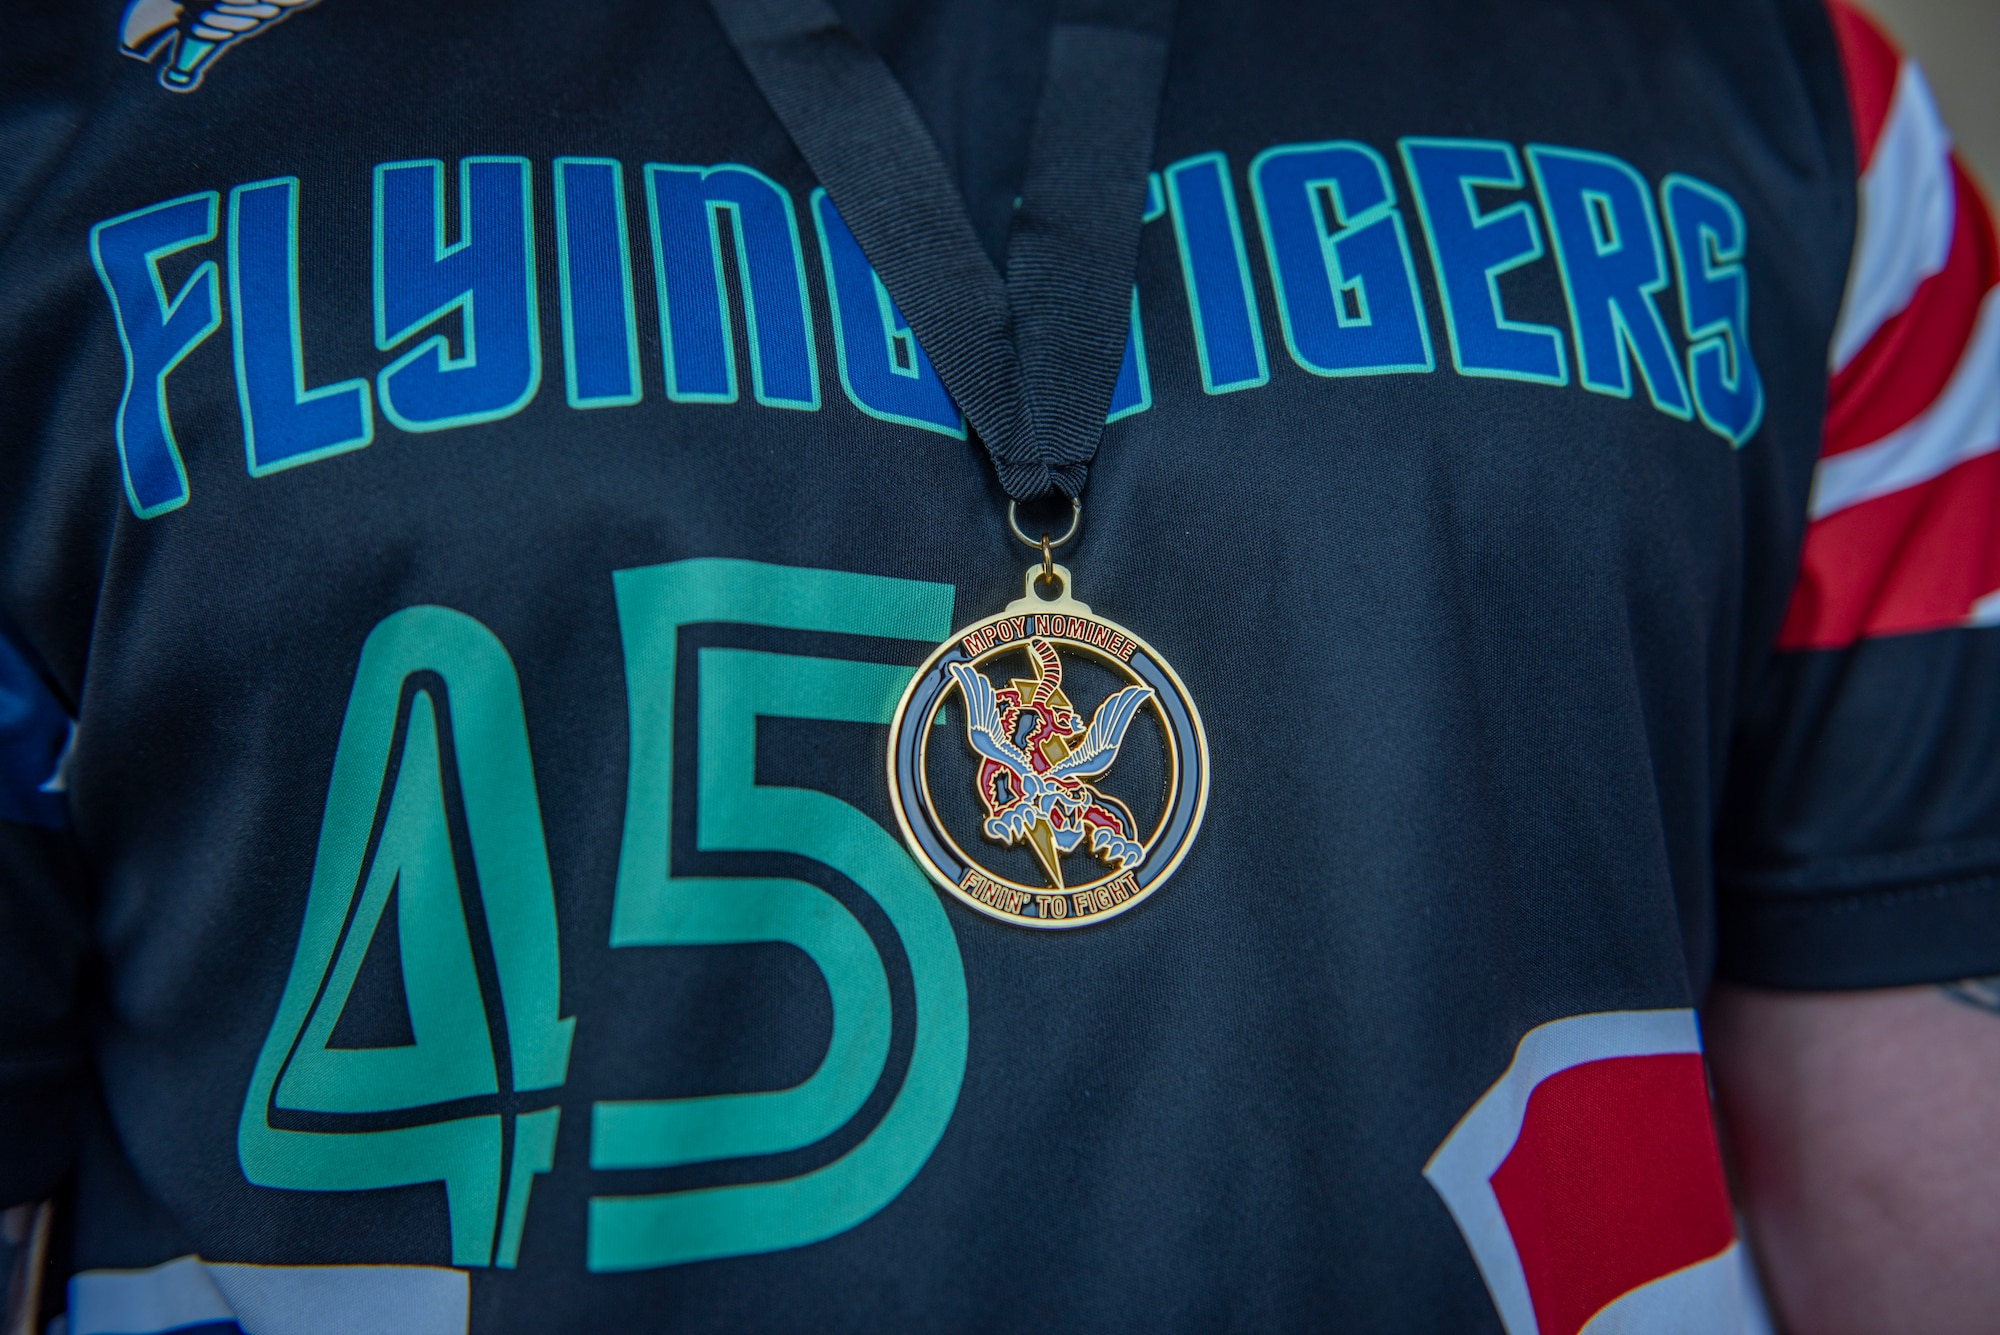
x,y
435,697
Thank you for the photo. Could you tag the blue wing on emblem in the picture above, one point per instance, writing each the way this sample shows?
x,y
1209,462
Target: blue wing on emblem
x,y
982,720
1107,731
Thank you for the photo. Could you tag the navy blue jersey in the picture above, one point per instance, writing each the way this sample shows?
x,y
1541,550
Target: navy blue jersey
x,y
470,510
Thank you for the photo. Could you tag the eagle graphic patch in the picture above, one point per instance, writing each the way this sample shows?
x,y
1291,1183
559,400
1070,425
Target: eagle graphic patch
x,y
186,39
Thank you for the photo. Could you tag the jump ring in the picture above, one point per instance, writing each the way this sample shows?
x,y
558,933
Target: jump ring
x,y
1075,521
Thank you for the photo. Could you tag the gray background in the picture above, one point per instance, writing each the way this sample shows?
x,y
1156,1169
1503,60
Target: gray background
x,y
1958,44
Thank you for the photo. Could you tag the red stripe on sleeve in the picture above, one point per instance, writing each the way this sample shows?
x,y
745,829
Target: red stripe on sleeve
x,y
1916,559
1869,61
1907,362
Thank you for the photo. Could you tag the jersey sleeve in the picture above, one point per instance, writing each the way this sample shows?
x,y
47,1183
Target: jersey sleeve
x,y
1859,844
44,1057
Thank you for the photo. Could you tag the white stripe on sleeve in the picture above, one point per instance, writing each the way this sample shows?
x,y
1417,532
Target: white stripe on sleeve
x,y
1907,204
1962,423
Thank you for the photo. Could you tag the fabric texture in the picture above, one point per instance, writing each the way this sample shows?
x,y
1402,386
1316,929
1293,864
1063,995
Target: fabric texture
x,y
480,506
1858,847
1031,356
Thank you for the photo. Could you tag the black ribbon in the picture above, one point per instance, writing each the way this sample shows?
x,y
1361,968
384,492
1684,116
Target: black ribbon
x,y
1031,358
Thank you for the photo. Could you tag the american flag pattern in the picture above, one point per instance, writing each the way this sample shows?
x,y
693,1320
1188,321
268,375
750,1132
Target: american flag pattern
x,y
1904,530
1589,1188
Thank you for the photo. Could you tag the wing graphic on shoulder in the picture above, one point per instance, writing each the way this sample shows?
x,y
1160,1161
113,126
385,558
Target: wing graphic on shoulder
x,y
187,38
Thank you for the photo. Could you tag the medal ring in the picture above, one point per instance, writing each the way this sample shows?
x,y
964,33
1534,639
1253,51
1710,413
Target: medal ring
x,y
1075,522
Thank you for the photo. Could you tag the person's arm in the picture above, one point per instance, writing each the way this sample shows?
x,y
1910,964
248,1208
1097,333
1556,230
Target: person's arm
x,y
1859,859
1864,1129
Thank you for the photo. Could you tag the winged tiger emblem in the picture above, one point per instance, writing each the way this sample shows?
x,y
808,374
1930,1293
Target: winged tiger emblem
x,y
1037,758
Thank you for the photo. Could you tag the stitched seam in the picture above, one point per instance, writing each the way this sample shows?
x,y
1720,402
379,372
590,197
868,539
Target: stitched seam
x,y
1858,901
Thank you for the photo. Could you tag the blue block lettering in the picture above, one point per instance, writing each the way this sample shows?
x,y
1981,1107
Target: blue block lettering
x,y
1340,261
1608,247
684,204
155,334
594,264
1229,339
883,371
487,276
1133,391
1707,234
1471,248
284,423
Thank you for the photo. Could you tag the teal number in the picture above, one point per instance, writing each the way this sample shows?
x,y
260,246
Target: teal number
x,y
534,1152
734,812
452,1057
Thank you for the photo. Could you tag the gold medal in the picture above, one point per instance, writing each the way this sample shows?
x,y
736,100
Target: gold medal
x,y
1055,833
1046,825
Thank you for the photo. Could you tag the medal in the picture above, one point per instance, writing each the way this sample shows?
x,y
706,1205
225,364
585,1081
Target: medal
x,y
1045,779
1046,764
